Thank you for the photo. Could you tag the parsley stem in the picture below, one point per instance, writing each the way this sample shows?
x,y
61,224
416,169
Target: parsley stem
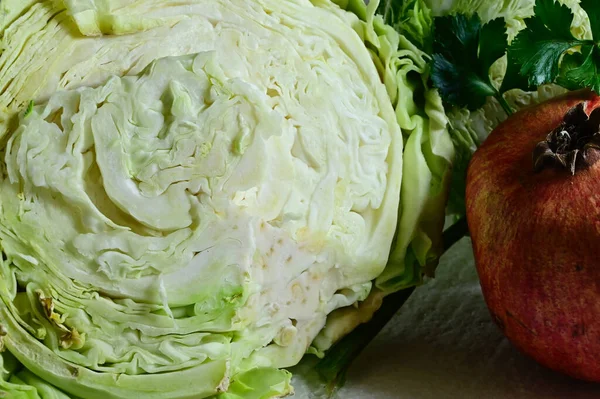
x,y
504,104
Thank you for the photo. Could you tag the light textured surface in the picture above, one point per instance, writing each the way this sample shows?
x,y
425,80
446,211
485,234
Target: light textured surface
x,y
443,344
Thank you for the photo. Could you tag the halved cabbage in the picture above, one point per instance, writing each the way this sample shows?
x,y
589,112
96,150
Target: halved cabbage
x,y
195,193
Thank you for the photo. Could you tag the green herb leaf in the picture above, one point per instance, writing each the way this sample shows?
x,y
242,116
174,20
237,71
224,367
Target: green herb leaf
x,y
539,47
569,63
457,86
581,69
493,41
592,8
513,78
544,52
464,50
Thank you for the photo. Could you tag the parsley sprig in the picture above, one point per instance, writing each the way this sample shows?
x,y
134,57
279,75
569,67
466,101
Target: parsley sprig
x,y
544,52
464,51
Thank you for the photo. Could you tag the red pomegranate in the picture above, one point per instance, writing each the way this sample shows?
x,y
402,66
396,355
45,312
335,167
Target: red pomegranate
x,y
533,209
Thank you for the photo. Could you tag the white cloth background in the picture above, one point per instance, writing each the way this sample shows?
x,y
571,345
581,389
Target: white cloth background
x,y
443,344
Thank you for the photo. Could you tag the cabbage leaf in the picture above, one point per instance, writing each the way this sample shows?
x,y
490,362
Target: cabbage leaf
x,y
195,194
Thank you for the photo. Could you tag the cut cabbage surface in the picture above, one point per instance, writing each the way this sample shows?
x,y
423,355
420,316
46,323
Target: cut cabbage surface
x,y
194,194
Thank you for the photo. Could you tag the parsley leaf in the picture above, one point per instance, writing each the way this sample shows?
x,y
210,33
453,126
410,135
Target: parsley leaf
x,y
493,41
581,69
540,46
592,8
464,51
544,52
513,78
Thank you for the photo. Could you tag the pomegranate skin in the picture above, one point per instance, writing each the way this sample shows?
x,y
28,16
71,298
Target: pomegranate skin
x,y
536,240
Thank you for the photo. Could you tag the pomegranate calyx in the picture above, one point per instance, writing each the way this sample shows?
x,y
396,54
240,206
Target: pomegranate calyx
x,y
573,145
